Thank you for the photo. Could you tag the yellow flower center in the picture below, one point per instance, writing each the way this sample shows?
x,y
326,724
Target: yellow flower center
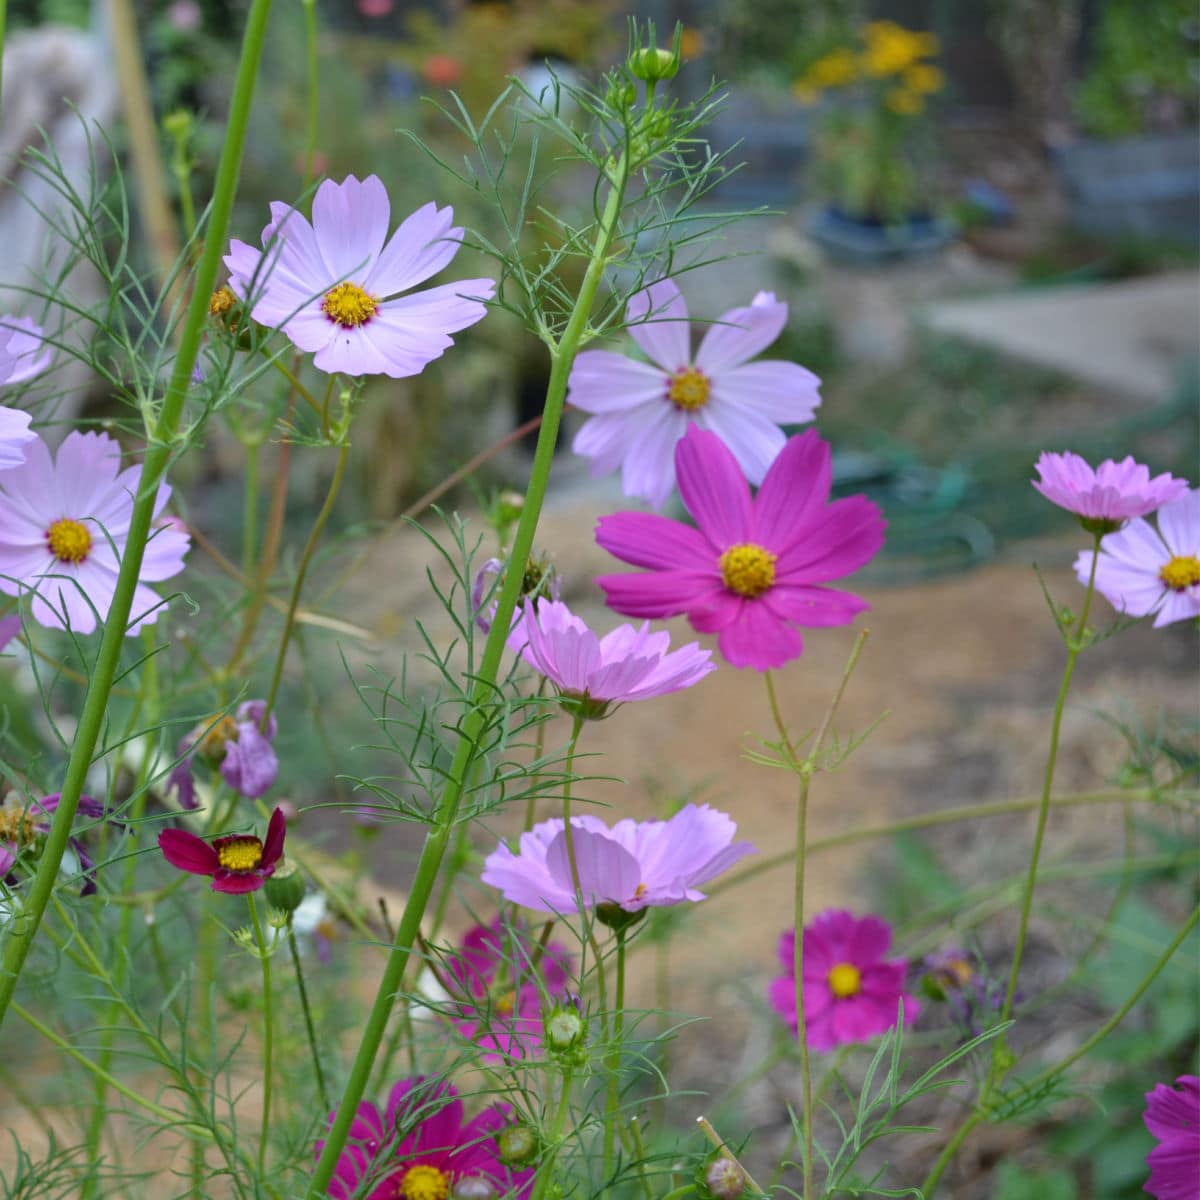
x,y
1181,573
689,389
845,980
348,305
504,1004
748,569
240,854
16,826
69,540
221,301
424,1183
213,743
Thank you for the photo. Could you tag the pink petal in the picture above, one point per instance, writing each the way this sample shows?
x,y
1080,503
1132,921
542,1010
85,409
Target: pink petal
x,y
782,392
759,639
187,852
649,468
424,244
1179,524
755,441
741,333
607,871
793,492
649,540
658,322
350,220
713,488
660,594
603,382
850,534
814,607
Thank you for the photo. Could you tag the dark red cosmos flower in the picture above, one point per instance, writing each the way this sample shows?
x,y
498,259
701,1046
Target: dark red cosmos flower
x,y
237,863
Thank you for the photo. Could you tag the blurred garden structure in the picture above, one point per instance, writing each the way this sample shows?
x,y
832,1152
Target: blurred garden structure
x,y
819,288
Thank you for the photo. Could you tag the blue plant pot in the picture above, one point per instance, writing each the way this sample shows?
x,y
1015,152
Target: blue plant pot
x,y
854,240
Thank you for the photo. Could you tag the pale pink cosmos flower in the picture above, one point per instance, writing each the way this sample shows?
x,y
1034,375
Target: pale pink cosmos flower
x,y
64,522
755,569
634,865
20,341
332,285
641,410
626,664
1113,491
1142,571
1173,1116
15,435
851,991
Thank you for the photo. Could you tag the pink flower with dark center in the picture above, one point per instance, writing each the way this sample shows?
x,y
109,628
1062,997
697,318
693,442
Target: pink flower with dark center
x,y
595,672
15,435
495,968
1112,492
634,865
238,863
1173,1116
851,992
641,410
20,341
64,522
755,569
423,1148
333,285
1142,571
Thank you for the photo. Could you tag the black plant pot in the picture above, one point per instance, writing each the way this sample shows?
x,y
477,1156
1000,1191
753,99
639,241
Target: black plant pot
x,y
867,240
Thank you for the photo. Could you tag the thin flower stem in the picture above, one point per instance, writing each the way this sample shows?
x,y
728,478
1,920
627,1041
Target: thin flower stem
x,y
1076,643
161,448
483,700
1050,1073
612,1065
310,548
250,507
546,1170
268,1033
302,990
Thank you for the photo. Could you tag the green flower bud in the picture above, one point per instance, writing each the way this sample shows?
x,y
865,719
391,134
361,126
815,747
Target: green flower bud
x,y
285,889
723,1179
564,1029
621,95
517,1145
652,64
618,918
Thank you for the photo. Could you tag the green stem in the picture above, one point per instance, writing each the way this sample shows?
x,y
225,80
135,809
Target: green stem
x,y
268,1033
613,1058
546,1171
483,700
250,508
1047,1076
302,989
158,456
310,548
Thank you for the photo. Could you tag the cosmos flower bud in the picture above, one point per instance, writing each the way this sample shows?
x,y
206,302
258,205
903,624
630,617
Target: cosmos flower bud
x,y
564,1029
621,95
517,1145
651,64
723,1178
285,889
475,1188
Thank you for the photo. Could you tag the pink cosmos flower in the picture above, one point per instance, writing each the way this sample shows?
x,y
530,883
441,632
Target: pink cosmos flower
x,y
15,434
333,285
1173,1116
635,864
504,1012
755,569
238,745
20,341
641,410
422,1148
237,863
22,821
851,992
1141,571
1114,491
594,672
64,522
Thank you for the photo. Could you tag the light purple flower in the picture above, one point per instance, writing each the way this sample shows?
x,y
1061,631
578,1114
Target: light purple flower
x,y
238,745
10,626
635,864
64,522
22,821
626,664
15,435
641,410
20,341
1142,571
333,286
541,579
1114,491
1173,1116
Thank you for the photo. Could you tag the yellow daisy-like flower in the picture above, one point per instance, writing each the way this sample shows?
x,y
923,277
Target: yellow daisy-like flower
x,y
836,69
891,49
924,79
905,103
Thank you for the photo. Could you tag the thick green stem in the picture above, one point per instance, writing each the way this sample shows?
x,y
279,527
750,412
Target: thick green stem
x,y
483,701
158,456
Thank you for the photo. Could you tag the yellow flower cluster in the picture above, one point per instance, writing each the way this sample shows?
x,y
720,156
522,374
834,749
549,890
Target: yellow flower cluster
x,y
889,51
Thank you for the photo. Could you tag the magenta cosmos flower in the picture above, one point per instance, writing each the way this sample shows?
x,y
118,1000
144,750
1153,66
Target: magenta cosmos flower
x,y
64,522
1112,492
1141,571
239,745
20,341
1173,1116
641,410
333,286
15,435
237,863
755,569
22,822
593,672
499,992
422,1148
635,864
851,992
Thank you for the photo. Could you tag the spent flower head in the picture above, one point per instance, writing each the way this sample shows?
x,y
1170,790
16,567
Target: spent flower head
x,y
240,745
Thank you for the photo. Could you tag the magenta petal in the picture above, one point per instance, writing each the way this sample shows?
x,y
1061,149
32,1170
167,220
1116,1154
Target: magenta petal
x,y
713,488
238,883
759,639
187,852
794,491
851,533
273,845
661,594
648,540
